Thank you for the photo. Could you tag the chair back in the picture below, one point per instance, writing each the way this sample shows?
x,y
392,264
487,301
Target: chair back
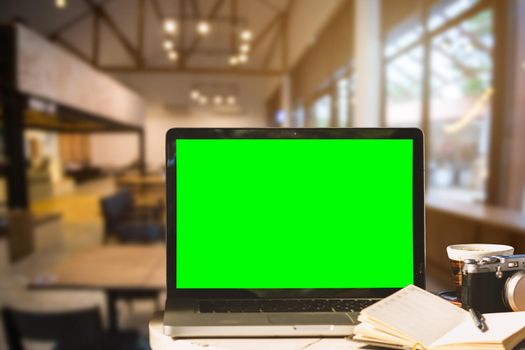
x,y
114,209
68,330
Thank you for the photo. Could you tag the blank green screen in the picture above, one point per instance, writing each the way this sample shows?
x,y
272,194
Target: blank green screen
x,y
285,213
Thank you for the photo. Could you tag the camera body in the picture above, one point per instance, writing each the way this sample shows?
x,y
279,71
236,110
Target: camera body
x,y
494,284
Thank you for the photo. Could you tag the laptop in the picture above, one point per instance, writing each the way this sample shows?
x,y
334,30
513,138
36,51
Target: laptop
x,y
276,232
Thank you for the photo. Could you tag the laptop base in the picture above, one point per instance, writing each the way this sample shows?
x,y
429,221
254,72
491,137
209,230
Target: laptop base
x,y
271,324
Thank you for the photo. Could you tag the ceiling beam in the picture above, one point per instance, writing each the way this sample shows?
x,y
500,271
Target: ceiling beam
x,y
141,32
182,27
95,35
157,10
265,31
270,5
271,50
190,70
75,51
216,7
285,31
233,24
195,8
101,12
55,33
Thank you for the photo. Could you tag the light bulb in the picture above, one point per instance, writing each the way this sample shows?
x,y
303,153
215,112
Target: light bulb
x,y
217,100
170,26
173,55
243,58
194,95
60,3
244,48
203,28
203,100
246,35
234,60
168,45
231,100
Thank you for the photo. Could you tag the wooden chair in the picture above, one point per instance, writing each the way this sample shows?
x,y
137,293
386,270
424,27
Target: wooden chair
x,y
128,222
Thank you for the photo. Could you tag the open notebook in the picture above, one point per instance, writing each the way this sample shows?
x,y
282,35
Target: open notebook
x,y
415,318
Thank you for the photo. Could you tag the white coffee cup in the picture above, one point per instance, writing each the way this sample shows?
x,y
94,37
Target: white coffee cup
x,y
459,252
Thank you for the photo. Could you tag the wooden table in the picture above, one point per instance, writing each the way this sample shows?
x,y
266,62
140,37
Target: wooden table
x,y
141,182
121,271
159,341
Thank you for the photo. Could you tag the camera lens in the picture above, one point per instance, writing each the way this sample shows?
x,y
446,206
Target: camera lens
x,y
514,291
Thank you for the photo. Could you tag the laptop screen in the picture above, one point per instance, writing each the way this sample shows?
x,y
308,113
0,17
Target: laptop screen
x,y
294,213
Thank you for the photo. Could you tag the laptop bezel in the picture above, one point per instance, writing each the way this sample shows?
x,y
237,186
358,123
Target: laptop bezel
x,y
413,134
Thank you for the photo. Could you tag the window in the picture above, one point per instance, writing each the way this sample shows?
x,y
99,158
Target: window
x,y
448,94
343,101
298,116
461,75
323,111
404,89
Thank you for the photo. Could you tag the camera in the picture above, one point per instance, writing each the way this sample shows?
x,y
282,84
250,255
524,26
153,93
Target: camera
x,y
494,284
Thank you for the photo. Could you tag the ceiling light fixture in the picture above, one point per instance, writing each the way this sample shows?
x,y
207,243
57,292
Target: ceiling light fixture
x,y
173,55
168,45
231,100
203,28
246,35
60,3
234,60
244,48
170,26
243,58
195,94
218,100
203,100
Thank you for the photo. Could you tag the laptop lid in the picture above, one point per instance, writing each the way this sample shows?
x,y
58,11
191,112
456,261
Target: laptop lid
x,y
288,213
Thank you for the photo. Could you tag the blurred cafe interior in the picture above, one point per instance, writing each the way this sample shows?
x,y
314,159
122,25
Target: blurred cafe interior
x,y
89,88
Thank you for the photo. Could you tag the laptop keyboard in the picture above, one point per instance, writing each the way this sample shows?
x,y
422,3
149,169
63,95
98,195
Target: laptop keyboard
x,y
280,305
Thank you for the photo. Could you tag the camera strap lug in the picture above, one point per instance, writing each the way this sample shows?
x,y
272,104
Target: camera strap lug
x,y
499,274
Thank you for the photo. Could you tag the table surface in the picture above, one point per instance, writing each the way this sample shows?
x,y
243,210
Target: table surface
x,y
142,180
492,215
158,341
137,267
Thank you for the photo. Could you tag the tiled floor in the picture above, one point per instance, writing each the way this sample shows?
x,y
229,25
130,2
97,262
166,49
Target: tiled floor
x,y
81,228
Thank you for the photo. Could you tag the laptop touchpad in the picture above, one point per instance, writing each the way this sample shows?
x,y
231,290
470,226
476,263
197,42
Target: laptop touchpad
x,y
306,318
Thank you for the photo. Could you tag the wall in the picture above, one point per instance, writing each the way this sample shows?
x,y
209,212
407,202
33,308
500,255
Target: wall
x,y
331,51
114,150
159,119
169,105
307,18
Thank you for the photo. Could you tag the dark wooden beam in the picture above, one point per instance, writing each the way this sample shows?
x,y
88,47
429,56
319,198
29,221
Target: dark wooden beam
x,y
271,50
216,7
104,16
157,10
182,27
270,5
190,70
195,8
233,23
265,31
95,40
141,24
285,42
55,33
73,50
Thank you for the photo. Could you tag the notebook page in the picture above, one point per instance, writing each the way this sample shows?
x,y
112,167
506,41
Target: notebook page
x,y
417,314
500,327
